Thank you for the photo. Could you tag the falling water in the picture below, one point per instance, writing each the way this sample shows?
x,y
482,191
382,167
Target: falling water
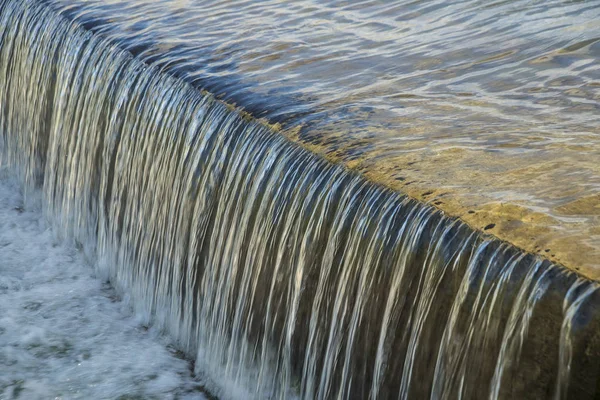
x,y
283,275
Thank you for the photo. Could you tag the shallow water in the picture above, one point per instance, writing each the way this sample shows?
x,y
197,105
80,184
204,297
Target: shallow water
x,y
64,334
486,104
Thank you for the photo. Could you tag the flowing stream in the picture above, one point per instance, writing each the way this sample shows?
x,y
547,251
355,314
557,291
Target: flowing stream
x,y
283,275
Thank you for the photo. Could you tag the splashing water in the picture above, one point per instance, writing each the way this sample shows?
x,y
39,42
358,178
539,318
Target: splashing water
x,y
282,274
63,333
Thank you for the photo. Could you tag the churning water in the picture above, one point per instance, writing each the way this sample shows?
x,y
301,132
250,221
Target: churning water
x,y
283,275
63,333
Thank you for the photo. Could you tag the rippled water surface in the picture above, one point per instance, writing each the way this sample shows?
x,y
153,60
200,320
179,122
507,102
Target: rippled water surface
x,y
491,104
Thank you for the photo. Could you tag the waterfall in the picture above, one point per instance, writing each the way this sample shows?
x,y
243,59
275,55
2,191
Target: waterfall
x,y
281,274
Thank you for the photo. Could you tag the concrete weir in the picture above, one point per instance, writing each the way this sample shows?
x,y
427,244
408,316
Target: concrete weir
x,y
281,273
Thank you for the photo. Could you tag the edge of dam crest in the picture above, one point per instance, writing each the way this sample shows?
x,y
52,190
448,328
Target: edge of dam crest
x,y
290,133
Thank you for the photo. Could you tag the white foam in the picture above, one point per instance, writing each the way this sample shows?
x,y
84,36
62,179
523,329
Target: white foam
x,y
63,333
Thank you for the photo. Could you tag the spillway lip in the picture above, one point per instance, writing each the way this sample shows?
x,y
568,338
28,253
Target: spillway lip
x,y
487,223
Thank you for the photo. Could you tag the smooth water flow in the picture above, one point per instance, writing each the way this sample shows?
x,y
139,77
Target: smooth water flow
x,y
283,275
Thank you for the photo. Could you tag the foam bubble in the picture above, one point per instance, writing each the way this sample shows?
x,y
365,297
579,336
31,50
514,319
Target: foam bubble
x,y
65,334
